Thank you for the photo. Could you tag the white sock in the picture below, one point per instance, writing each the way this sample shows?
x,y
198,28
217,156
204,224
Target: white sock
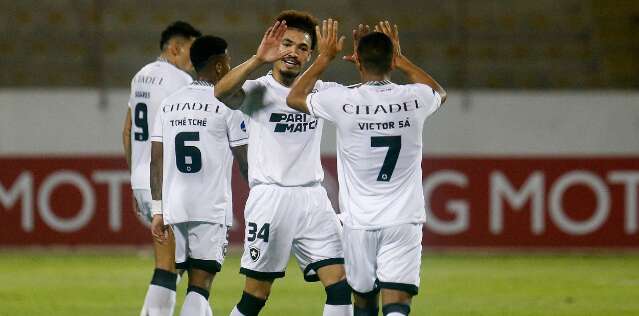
x,y
195,305
159,301
236,312
395,314
337,310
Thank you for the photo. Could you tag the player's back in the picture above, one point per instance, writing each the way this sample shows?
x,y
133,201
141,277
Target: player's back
x,y
149,87
380,151
197,159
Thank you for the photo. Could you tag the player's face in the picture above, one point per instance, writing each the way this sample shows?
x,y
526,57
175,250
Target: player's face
x,y
183,54
292,64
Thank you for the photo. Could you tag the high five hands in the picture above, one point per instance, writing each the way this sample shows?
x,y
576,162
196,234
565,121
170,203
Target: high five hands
x,y
329,44
269,49
383,27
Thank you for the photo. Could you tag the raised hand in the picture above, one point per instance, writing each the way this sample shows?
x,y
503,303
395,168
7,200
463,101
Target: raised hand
x,y
327,38
269,49
358,33
393,33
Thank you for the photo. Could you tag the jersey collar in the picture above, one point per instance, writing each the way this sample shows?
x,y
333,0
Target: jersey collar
x,y
377,83
202,83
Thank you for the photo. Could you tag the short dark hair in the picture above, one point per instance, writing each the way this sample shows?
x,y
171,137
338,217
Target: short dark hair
x,y
375,52
301,20
204,48
178,29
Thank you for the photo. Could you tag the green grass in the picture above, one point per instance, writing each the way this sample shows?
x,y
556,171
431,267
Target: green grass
x,y
111,283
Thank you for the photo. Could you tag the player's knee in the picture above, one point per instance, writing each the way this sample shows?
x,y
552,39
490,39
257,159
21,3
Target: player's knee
x,y
200,278
164,278
338,293
395,309
164,257
250,305
331,274
258,288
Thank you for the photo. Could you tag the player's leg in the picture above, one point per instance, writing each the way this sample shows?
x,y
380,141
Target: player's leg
x,y
160,296
318,249
254,296
207,244
399,261
267,245
360,263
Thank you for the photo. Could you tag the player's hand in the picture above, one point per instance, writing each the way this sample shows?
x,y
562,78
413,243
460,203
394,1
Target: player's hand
x,y
329,42
158,230
393,33
269,49
358,33
135,209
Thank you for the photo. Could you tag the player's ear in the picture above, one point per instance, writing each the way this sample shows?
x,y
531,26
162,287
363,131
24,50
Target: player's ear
x,y
219,67
174,48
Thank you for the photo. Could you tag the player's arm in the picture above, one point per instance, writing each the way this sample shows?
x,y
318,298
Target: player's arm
x,y
229,88
414,73
329,45
158,230
239,153
126,138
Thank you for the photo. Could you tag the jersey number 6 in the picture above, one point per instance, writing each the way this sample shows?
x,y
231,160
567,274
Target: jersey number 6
x,y
394,144
187,158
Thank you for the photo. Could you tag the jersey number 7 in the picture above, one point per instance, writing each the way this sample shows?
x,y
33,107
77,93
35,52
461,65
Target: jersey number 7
x,y
394,144
187,158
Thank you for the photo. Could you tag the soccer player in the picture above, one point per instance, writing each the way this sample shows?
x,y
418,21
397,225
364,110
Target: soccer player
x,y
379,141
287,209
194,140
149,86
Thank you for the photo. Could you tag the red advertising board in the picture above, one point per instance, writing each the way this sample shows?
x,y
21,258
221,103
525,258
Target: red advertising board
x,y
533,202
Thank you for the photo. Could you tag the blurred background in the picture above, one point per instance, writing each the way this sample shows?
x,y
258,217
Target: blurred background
x,y
541,130
537,147
542,93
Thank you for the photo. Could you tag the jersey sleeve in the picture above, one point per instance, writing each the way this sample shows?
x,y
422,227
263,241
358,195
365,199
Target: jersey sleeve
x,y
237,129
254,91
324,104
157,129
429,97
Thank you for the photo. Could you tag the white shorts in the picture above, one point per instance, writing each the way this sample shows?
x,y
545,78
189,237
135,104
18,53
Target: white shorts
x,y
143,200
284,219
200,245
388,258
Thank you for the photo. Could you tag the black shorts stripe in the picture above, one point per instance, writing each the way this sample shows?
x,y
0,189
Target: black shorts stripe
x,y
182,265
210,266
318,264
408,288
262,276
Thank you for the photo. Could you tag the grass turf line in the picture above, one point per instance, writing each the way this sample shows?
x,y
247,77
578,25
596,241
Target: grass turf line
x,y
80,283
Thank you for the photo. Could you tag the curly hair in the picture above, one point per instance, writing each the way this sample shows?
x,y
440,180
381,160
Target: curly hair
x,y
301,20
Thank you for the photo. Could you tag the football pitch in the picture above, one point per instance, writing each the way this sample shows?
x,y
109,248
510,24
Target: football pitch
x,y
108,282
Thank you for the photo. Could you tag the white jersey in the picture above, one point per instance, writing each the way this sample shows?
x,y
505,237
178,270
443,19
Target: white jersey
x,y
149,87
197,132
379,149
284,148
